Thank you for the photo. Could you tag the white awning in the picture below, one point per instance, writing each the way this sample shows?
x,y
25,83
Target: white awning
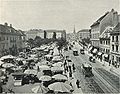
x,y
90,48
105,55
94,51
99,53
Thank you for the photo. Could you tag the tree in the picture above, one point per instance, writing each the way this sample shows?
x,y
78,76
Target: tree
x,y
30,42
54,35
45,34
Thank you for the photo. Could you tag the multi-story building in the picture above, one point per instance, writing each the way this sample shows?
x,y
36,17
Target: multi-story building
x,y
49,33
105,42
31,34
97,28
115,44
11,40
83,34
59,33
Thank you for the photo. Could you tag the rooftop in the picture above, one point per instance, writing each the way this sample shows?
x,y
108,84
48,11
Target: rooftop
x,y
98,21
5,29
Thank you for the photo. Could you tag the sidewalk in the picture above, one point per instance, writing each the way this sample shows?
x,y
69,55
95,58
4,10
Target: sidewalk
x,y
107,67
73,82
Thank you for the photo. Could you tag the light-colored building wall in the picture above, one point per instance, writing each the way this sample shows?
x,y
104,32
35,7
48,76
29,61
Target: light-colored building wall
x,y
115,48
10,39
95,35
115,45
109,19
49,33
84,33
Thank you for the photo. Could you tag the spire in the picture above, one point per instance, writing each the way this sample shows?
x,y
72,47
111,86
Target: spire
x,y
74,29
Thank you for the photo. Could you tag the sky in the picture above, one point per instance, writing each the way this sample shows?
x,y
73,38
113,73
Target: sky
x,y
54,14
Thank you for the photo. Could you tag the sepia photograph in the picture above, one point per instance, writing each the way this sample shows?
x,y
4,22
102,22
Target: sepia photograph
x,y
59,46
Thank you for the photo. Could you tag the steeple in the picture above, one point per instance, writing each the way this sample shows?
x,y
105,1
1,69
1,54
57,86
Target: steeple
x,y
74,30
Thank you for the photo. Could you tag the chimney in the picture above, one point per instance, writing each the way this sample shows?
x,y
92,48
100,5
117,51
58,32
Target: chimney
x,y
112,10
6,24
10,25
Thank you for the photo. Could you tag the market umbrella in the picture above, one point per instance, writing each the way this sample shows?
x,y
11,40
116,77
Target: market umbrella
x,y
45,78
30,71
44,67
56,68
40,89
59,77
8,57
56,58
48,55
58,64
60,87
1,62
7,65
19,59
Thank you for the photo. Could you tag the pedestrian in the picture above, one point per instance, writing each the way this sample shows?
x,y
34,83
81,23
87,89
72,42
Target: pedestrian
x,y
70,68
65,63
118,64
70,74
73,67
78,83
38,69
67,68
109,62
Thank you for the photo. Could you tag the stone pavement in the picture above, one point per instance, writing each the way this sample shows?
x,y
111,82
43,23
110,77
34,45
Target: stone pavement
x,y
73,82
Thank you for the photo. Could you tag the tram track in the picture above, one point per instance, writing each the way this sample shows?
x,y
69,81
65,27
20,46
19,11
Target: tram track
x,y
110,83
91,85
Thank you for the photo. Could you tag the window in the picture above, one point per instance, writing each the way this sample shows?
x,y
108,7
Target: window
x,y
116,38
112,38
119,59
112,47
113,58
116,48
106,42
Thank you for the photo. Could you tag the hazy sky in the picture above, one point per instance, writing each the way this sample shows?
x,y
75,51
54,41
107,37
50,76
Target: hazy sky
x,y
54,14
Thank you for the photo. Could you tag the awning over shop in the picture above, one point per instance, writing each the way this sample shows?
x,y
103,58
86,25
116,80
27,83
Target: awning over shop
x,y
90,48
99,53
94,51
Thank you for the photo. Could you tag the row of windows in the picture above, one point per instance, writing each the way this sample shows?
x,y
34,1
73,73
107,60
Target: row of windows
x,y
2,38
106,42
115,48
95,29
105,50
117,58
114,38
96,35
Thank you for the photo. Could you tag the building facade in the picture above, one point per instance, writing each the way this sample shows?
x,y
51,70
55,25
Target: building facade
x,y
115,45
105,42
59,33
11,40
108,19
83,34
31,34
